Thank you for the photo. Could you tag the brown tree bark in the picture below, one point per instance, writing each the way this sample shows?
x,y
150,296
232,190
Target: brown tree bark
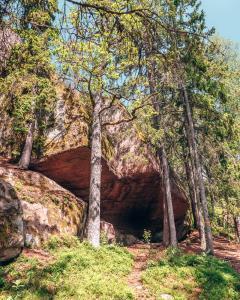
x,y
192,140
93,230
192,193
27,150
168,201
193,175
237,227
166,231
169,228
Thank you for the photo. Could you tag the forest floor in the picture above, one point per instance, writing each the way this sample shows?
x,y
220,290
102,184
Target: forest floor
x,y
145,254
69,269
223,249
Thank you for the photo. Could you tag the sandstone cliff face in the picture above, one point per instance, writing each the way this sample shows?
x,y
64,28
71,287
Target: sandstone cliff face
x,y
132,193
131,203
32,208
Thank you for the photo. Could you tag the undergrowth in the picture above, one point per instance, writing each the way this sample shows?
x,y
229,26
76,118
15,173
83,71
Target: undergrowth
x,y
191,276
74,271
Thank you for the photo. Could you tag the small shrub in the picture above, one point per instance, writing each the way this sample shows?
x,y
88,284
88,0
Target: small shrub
x,y
103,238
66,241
147,236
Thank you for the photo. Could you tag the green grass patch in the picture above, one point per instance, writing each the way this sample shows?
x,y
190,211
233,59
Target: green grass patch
x,y
76,271
186,276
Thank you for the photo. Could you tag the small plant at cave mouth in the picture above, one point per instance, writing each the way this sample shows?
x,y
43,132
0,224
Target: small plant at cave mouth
x,y
147,236
103,238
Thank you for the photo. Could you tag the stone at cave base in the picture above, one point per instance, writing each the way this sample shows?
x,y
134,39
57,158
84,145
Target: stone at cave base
x,y
108,232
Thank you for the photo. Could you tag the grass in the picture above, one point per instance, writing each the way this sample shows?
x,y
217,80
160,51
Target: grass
x,y
186,276
74,271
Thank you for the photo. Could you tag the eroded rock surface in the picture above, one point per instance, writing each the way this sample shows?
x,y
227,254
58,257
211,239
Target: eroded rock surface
x,y
131,202
43,207
131,195
11,223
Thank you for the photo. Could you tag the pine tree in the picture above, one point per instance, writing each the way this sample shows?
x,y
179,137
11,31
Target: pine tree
x,y
27,75
97,59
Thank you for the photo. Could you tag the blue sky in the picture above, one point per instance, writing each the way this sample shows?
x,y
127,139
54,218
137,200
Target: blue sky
x,y
224,15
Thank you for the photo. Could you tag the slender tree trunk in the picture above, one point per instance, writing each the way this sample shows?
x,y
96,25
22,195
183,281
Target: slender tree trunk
x,y
93,230
168,200
192,194
212,204
27,150
169,228
202,228
196,189
237,227
192,139
166,231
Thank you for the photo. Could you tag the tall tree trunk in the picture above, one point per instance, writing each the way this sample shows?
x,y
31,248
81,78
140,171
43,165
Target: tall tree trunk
x,y
169,228
93,230
192,139
212,204
237,227
27,150
192,168
168,200
192,193
166,231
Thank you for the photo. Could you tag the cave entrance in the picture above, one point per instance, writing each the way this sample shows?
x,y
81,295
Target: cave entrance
x,y
134,220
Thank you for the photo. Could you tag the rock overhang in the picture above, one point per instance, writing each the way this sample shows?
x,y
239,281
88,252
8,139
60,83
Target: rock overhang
x,y
132,201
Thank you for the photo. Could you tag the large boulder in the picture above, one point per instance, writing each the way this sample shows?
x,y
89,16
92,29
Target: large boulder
x,y
11,223
39,207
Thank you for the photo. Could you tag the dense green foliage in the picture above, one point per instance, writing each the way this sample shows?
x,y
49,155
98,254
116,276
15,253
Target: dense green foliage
x,y
27,78
191,276
73,270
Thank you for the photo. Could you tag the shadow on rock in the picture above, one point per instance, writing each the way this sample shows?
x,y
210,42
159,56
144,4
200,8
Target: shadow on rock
x,y
11,223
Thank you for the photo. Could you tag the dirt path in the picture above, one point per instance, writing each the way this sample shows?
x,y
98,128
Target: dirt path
x,y
141,254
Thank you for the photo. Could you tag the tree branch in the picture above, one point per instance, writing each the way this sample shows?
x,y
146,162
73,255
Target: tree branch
x,y
133,113
105,9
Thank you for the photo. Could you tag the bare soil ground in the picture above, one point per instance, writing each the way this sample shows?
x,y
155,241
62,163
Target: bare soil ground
x,y
141,254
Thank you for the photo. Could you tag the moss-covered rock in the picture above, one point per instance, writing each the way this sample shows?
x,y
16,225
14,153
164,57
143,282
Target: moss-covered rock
x,y
44,207
11,222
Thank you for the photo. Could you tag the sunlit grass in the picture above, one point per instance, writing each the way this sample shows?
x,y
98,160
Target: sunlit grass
x,y
185,276
75,271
